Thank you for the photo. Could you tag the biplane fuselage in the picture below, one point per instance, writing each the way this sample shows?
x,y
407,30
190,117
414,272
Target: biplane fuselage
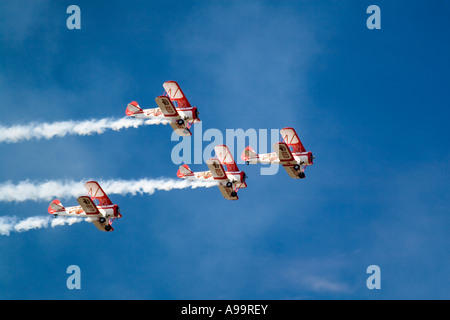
x,y
304,158
188,114
77,211
235,177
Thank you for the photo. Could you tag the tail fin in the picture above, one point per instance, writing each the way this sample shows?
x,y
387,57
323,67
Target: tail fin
x,y
54,206
133,108
184,171
248,154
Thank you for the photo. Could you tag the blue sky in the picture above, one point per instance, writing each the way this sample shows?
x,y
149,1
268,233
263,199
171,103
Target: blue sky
x,y
372,105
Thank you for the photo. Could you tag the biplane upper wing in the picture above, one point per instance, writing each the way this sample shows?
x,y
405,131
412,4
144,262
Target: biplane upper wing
x,y
291,138
175,93
170,112
286,159
96,192
223,154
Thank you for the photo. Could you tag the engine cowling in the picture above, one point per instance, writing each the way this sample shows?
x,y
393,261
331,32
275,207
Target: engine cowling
x,y
117,213
310,158
243,176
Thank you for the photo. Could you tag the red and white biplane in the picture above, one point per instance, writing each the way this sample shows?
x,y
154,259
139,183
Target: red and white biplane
x,y
230,180
173,106
290,153
102,215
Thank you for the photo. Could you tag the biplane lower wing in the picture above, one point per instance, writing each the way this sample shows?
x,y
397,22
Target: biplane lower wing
x,y
94,215
287,160
219,175
228,192
217,171
88,206
180,129
102,224
170,112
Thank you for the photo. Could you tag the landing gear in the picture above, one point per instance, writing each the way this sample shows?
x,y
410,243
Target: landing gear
x,y
301,174
180,122
108,227
102,220
233,194
229,184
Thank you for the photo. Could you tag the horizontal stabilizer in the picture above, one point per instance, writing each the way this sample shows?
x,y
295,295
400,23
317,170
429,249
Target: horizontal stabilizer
x,y
184,171
133,108
54,206
249,154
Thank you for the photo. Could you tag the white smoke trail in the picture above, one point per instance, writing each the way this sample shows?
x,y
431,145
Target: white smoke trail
x,y
47,131
48,190
12,224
